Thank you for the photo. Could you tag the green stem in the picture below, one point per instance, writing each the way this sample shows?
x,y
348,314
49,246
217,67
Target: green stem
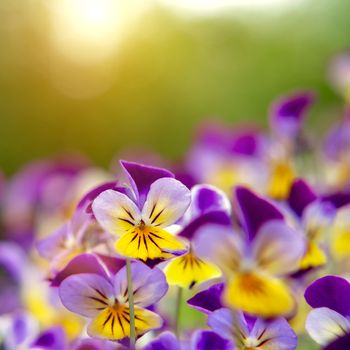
x,y
178,312
131,305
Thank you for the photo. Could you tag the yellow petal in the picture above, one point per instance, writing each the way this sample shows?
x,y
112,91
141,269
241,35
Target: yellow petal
x,y
259,294
313,257
148,243
188,270
281,178
341,243
113,323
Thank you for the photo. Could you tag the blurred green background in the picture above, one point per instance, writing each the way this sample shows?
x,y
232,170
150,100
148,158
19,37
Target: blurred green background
x,y
167,71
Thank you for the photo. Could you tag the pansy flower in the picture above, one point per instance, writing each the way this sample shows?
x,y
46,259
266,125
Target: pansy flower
x,y
256,260
253,333
78,235
226,156
38,191
104,300
314,216
141,218
287,118
329,321
208,205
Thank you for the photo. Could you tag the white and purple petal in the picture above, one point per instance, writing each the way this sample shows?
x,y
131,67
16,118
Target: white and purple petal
x,y
325,325
278,248
221,245
274,335
115,212
86,294
207,198
167,201
149,285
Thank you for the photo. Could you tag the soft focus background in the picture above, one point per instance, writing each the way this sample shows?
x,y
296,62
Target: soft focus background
x,y
99,76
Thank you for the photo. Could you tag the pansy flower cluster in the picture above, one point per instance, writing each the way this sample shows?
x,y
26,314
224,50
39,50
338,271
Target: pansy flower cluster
x,y
244,244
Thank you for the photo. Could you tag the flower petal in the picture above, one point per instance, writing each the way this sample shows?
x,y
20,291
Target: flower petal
x,y
207,198
114,324
254,211
221,245
86,294
209,340
189,270
208,300
115,212
167,201
342,343
149,285
149,243
165,341
331,292
213,217
274,335
278,248
325,325
259,294
83,263
300,196
52,339
288,113
221,321
141,177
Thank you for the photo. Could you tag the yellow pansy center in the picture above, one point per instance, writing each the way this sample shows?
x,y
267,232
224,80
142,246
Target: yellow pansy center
x,y
148,242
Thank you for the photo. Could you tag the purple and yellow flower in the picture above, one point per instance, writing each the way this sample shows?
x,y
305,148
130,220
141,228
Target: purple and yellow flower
x,y
329,322
256,260
226,156
314,216
208,205
142,217
103,298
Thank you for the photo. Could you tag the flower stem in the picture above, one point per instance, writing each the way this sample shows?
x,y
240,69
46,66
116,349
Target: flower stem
x,y
131,305
178,311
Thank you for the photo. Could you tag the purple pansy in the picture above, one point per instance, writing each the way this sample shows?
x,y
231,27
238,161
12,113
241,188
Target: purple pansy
x,y
255,261
105,300
142,217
